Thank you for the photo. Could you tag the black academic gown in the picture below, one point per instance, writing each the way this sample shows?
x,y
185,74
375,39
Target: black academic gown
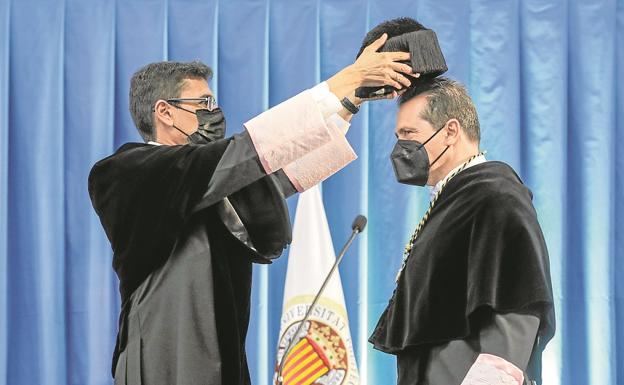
x,y
183,254
480,254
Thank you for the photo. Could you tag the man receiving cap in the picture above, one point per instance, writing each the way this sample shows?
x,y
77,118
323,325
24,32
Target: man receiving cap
x,y
473,299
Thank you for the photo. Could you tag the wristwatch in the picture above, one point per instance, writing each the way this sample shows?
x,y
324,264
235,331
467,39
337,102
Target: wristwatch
x,y
348,104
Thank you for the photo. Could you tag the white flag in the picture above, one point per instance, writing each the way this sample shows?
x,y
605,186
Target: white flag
x,y
322,354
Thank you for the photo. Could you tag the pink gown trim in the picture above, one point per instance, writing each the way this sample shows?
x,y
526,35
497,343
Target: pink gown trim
x,y
288,131
321,163
489,369
295,137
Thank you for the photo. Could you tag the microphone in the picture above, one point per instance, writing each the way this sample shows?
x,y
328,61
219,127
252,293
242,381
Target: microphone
x,y
359,223
357,227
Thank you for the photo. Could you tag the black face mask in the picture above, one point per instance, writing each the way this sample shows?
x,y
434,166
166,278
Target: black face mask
x,y
211,126
411,162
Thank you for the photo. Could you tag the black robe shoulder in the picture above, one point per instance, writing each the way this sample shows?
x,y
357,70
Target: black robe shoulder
x,y
482,249
144,194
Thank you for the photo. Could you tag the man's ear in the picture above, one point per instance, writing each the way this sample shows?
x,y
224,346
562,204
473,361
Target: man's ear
x,y
453,131
163,113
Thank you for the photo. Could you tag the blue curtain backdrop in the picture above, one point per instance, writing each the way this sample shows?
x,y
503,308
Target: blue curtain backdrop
x,y
547,77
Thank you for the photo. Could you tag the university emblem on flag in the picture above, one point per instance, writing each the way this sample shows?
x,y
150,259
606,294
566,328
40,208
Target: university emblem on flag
x,y
318,357
321,353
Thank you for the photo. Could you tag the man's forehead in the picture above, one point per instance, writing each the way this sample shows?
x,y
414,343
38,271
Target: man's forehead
x,y
409,113
415,105
195,88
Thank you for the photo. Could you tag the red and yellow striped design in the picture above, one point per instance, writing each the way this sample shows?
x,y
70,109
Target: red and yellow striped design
x,y
305,363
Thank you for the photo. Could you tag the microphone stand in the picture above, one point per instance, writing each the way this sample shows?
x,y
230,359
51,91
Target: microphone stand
x,y
357,228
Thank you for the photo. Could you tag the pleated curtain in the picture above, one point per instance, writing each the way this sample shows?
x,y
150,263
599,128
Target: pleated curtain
x,y
547,77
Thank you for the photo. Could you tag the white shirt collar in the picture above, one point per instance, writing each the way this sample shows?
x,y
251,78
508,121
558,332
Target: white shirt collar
x,y
154,143
434,190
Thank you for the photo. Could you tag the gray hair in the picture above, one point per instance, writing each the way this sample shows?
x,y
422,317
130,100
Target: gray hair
x,y
161,80
446,99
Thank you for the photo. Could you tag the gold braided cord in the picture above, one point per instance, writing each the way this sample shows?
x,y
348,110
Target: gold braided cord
x,y
421,224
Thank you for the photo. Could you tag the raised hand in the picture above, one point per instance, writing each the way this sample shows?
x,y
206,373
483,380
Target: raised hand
x,y
371,69
383,68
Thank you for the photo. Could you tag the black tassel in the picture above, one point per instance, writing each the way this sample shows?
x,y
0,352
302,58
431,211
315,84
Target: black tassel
x,y
425,52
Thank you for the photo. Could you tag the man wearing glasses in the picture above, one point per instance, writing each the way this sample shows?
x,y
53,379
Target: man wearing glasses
x,y
189,211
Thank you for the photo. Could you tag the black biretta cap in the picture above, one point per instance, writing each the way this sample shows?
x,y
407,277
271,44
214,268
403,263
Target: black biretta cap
x,y
426,57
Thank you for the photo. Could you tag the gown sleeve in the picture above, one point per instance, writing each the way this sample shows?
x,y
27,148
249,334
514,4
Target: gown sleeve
x,y
296,137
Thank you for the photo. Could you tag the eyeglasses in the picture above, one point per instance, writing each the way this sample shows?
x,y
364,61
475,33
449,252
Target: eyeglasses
x,y
208,102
